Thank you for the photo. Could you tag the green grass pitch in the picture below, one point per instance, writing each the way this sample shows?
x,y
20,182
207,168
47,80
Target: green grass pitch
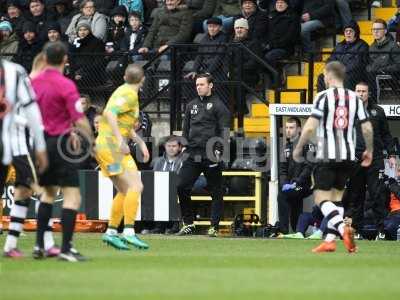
x,y
204,268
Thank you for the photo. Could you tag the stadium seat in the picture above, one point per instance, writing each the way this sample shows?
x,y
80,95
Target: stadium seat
x,y
287,97
297,82
384,13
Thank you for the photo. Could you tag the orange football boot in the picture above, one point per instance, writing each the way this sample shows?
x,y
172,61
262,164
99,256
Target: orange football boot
x,y
325,247
348,239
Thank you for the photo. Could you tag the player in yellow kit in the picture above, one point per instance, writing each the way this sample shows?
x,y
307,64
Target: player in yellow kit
x,y
113,155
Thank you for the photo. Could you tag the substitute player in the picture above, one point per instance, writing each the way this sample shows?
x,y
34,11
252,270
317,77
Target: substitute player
x,y
113,155
59,103
334,115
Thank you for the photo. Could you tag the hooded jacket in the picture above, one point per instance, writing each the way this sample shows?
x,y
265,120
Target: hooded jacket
x,y
163,164
353,55
384,62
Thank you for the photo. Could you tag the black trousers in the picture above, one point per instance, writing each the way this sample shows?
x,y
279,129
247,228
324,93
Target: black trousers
x,y
188,175
290,206
3,177
363,210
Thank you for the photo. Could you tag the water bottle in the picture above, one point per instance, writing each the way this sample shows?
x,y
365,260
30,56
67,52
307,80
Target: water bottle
x,y
398,234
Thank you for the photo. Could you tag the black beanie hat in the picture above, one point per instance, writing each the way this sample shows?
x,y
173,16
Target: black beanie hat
x,y
120,10
54,26
28,27
353,25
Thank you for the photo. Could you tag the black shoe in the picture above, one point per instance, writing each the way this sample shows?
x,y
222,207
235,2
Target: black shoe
x,y
156,230
38,253
186,230
174,229
1,231
72,256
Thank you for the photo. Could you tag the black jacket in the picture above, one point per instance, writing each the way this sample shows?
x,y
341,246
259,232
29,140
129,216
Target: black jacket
x,y
356,58
205,118
115,34
250,65
291,171
286,30
27,52
126,41
258,25
382,138
211,63
322,10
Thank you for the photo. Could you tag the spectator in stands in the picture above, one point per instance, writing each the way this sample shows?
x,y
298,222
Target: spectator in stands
x,y
294,178
86,59
54,32
394,21
133,6
316,14
14,14
249,66
170,25
226,10
29,47
208,61
97,21
384,57
96,124
8,41
116,29
40,16
134,37
211,63
257,19
353,53
63,12
284,30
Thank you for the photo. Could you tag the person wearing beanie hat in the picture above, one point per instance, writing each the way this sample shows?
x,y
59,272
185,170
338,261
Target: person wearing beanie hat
x,y
86,69
6,26
249,66
53,32
257,19
353,53
241,23
116,28
286,31
8,40
29,46
97,21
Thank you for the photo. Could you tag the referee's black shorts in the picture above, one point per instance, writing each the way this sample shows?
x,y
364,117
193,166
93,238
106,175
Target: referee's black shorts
x,y
25,173
63,163
332,175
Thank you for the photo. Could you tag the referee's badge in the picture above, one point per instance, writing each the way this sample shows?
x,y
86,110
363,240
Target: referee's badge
x,y
209,106
373,112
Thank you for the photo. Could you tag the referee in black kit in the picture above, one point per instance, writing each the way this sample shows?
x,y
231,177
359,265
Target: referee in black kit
x,y
334,115
206,117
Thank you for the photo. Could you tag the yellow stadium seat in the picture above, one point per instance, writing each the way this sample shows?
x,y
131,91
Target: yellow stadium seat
x,y
297,82
365,27
251,125
286,97
259,110
384,13
318,68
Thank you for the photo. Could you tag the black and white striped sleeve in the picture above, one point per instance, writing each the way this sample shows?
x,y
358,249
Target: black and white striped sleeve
x,y
318,107
25,93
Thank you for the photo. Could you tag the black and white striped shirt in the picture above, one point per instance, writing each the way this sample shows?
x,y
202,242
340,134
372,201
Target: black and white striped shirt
x,y
337,110
19,93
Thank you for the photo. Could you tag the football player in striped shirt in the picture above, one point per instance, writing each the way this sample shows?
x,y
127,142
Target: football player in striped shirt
x,y
332,120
